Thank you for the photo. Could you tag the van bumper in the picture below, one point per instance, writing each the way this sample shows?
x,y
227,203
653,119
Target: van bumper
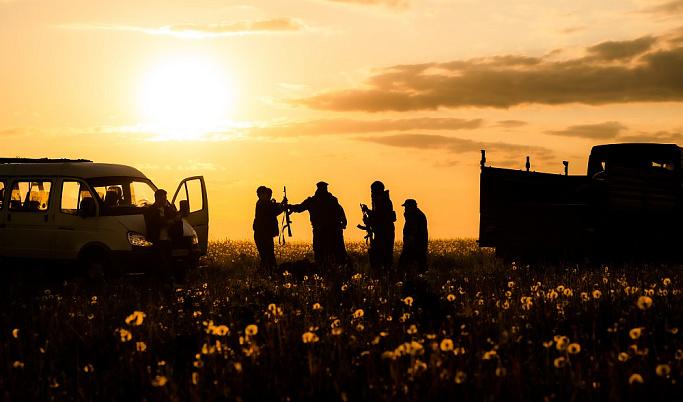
x,y
146,260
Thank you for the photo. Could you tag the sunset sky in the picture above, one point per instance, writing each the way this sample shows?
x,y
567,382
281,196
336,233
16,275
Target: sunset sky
x,y
275,93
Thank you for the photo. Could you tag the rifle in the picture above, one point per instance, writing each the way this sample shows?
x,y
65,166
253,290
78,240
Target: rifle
x,y
286,222
369,235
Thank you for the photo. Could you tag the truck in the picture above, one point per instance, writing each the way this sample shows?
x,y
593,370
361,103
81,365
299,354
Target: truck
x,y
627,207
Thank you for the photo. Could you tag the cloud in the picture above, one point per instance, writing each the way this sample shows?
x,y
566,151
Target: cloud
x,y
198,31
349,126
613,50
659,136
399,4
456,145
601,131
666,9
646,69
512,123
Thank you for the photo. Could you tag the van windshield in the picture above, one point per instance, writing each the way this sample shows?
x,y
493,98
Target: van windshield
x,y
123,195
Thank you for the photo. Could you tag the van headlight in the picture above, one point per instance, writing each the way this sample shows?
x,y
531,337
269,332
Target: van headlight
x,y
138,239
195,238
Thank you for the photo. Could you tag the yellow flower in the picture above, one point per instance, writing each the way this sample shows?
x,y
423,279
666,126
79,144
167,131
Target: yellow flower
x,y
568,292
644,302
159,381
635,333
623,356
597,294
140,346
124,334
388,354
136,318
89,368
411,330
446,345
460,377
309,337
337,331
667,281
560,362
663,370
548,344
15,333
574,348
317,306
18,364
251,330
220,330
238,367
450,297
408,301
511,284
679,354
635,378
358,313
561,342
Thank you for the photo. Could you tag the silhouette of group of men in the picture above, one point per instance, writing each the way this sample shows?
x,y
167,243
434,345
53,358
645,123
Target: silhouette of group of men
x,y
329,221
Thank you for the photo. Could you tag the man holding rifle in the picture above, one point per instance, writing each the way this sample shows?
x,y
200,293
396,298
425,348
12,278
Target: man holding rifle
x,y
266,227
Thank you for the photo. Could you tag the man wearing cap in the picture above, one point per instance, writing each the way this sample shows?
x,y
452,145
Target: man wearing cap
x,y
415,239
265,226
329,221
381,220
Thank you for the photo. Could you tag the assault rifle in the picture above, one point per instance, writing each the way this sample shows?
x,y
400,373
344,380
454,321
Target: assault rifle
x,y
369,235
286,222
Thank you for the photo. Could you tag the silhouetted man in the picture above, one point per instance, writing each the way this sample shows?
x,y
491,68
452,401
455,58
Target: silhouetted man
x,y
415,239
329,221
380,219
163,226
265,227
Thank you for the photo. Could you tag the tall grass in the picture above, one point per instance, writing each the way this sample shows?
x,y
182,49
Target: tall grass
x,y
472,328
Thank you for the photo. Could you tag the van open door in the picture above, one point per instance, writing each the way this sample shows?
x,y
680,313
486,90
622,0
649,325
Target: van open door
x,y
193,190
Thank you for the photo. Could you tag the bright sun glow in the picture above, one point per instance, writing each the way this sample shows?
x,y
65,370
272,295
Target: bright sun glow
x,y
186,97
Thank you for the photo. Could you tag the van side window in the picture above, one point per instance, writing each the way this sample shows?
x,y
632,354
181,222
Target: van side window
x,y
30,196
73,193
2,194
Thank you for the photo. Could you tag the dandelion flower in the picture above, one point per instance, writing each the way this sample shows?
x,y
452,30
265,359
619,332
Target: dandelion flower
x,y
446,345
574,348
388,355
623,356
663,370
548,344
358,313
501,371
412,330
360,327
124,334
635,333
667,281
561,342
337,331
460,377
220,330
644,302
450,297
136,318
408,301
597,294
15,333
635,378
568,292
18,364
560,362
159,381
140,346
238,367
317,306
89,368
309,337
251,330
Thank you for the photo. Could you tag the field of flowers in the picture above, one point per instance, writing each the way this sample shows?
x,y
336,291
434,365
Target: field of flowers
x,y
472,328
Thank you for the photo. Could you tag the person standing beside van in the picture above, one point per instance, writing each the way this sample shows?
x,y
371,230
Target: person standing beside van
x,y
162,222
265,227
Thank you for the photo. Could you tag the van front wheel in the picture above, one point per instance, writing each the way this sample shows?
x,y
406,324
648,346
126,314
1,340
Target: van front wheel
x,y
95,264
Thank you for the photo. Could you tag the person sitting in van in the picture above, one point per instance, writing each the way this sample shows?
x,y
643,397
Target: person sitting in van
x,y
164,225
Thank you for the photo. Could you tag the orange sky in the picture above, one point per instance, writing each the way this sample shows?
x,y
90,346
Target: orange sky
x,y
289,93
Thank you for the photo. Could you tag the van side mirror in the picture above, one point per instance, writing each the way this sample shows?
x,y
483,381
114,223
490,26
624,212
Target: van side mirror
x,y
87,208
185,208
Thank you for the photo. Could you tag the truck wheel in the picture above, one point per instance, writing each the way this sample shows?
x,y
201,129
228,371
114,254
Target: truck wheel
x,y
95,265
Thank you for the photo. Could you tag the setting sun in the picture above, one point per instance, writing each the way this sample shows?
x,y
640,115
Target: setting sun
x,y
186,95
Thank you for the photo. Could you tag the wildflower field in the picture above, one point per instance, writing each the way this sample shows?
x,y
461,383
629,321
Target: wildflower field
x,y
471,328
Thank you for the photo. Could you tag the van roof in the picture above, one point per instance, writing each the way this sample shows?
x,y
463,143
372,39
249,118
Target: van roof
x,y
80,168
